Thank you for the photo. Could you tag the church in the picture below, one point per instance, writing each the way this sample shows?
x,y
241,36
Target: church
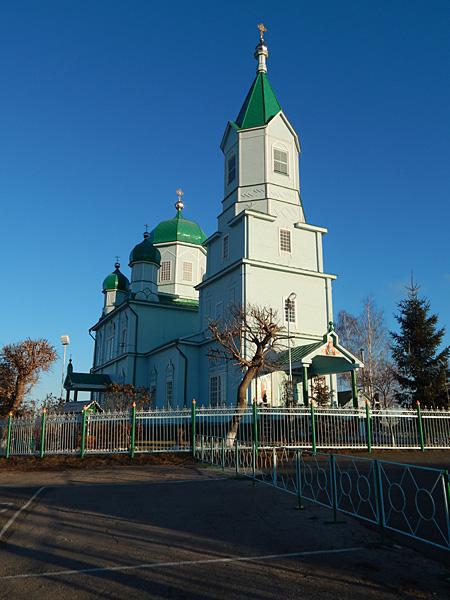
x,y
153,331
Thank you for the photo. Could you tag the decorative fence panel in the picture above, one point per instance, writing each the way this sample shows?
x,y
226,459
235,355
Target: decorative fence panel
x,y
174,430
407,499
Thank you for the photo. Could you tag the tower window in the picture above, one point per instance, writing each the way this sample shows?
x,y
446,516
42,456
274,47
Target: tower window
x,y
187,271
231,168
165,270
289,311
225,247
285,240
280,161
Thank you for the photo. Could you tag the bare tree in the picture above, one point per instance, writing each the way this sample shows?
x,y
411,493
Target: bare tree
x,y
21,365
249,338
120,396
367,332
385,383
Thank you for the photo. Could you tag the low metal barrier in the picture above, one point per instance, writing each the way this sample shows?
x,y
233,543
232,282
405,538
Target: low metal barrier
x,y
175,430
407,499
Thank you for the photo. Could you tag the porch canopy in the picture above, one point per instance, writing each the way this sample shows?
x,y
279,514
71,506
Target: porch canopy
x,y
326,357
84,382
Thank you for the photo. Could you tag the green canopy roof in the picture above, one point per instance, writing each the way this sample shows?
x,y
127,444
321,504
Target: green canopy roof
x,y
116,281
178,229
260,105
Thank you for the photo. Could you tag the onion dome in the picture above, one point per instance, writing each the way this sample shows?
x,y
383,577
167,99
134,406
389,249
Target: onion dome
x,y
145,252
178,229
116,280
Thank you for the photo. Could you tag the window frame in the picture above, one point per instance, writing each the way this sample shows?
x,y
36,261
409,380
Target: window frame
x,y
218,378
162,268
281,231
280,161
226,247
292,311
191,273
231,169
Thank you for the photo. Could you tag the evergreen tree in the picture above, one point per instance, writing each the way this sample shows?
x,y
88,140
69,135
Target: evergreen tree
x,y
320,391
421,370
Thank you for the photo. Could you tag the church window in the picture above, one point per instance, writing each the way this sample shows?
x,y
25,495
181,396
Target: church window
x,y
215,390
169,393
280,161
153,387
187,271
231,171
285,240
225,247
165,270
289,311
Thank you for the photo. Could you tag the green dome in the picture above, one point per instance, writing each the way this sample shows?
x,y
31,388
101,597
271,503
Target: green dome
x,y
145,252
178,229
116,281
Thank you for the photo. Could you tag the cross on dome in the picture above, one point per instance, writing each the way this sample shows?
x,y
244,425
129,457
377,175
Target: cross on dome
x,y
261,52
117,263
262,31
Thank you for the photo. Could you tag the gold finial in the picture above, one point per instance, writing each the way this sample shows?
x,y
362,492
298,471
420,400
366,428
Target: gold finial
x,y
262,31
179,204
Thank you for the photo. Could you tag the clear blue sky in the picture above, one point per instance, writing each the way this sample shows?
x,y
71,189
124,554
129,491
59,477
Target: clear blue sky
x,y
106,107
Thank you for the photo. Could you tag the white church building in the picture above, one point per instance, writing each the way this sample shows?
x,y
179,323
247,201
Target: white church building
x,y
153,331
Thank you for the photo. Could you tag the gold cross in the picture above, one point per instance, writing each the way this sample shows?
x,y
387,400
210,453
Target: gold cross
x,y
179,193
262,30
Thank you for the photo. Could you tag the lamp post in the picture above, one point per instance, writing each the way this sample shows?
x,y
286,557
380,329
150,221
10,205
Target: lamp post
x,y
65,341
289,304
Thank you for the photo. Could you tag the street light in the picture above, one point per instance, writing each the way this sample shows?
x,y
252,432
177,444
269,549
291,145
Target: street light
x,y
65,341
289,305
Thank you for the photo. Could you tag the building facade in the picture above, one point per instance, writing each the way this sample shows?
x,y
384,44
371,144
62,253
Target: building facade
x,y
153,331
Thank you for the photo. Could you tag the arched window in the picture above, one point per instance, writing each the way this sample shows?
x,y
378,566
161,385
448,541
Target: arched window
x,y
169,385
153,386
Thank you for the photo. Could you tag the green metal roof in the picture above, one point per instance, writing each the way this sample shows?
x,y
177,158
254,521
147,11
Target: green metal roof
x,y
116,281
145,252
297,353
178,229
260,105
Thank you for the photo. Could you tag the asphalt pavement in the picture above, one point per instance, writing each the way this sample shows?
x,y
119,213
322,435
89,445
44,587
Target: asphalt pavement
x,y
190,532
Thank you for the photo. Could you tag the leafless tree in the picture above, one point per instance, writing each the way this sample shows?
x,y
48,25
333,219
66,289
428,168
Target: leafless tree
x,y
120,397
367,332
21,365
249,338
385,383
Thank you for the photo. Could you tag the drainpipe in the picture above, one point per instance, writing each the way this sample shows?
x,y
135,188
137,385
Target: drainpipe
x,y
135,342
95,348
185,358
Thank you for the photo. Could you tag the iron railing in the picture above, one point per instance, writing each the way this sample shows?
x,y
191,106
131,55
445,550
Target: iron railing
x,y
174,429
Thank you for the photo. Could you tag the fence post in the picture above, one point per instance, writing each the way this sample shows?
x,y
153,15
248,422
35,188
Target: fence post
x,y
313,428
368,428
133,430
202,450
83,433
446,482
255,424
222,451
42,445
379,498
298,478
274,466
237,457
333,486
420,427
193,427
254,461
8,436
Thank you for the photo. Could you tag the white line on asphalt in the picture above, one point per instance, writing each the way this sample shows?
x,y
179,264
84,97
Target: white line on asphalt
x,y
6,505
17,513
182,563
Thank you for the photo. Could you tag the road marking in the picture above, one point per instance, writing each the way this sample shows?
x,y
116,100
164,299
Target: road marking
x,y
6,505
17,513
182,563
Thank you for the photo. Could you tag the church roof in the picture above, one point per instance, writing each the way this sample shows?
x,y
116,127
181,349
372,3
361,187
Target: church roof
x,y
178,229
145,251
260,105
116,281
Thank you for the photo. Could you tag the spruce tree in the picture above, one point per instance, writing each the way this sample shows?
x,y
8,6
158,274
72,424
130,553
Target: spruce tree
x,y
420,368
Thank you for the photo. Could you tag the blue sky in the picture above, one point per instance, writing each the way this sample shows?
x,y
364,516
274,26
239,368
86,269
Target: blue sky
x,y
106,107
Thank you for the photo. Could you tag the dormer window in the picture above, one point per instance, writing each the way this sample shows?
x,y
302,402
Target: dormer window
x,y
225,247
285,240
231,169
280,161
